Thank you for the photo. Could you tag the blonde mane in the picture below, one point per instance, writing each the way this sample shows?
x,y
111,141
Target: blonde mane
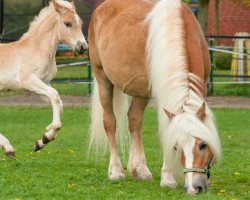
x,y
173,87
43,14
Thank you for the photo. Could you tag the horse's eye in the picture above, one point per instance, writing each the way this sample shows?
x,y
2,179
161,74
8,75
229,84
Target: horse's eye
x,y
203,146
68,24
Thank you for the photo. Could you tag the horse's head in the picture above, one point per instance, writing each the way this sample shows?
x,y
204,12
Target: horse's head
x,y
70,26
197,146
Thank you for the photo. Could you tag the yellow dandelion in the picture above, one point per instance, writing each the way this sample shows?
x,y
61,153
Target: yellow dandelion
x,y
222,191
71,185
71,151
237,174
229,136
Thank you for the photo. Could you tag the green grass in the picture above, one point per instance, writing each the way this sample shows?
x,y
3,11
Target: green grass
x,y
229,89
63,171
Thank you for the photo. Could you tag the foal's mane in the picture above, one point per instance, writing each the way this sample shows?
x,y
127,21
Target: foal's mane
x,y
43,14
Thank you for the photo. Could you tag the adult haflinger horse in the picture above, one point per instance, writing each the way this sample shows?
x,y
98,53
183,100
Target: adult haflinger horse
x,y
30,62
153,49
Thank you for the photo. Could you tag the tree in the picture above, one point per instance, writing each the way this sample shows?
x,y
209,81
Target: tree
x,y
202,14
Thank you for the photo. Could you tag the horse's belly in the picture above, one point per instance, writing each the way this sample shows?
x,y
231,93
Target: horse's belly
x,y
132,82
137,86
9,79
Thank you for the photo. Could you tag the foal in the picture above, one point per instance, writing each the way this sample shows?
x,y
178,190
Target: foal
x,y
30,62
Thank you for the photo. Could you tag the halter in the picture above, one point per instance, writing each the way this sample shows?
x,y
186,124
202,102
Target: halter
x,y
200,170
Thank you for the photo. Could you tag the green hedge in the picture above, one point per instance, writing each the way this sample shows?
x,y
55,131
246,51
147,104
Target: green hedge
x,y
222,60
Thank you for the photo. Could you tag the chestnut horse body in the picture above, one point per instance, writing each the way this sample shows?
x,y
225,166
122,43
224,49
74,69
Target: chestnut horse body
x,y
152,49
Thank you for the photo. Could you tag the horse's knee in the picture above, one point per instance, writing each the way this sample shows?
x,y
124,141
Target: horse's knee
x,y
54,97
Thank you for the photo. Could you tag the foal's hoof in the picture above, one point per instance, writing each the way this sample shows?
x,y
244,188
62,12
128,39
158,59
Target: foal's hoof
x,y
11,154
38,145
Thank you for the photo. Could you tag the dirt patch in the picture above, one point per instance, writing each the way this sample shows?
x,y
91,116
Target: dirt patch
x,y
34,100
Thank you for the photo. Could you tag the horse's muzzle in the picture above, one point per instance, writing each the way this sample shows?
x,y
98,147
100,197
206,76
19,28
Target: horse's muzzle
x,y
81,47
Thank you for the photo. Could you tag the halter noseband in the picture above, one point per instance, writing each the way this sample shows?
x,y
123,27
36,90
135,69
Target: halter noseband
x,y
200,170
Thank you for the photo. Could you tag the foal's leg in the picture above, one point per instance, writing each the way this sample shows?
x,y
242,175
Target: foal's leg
x,y
34,84
167,177
137,161
5,144
106,97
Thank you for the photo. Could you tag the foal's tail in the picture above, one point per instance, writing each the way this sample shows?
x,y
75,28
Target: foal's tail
x,y
98,139
5,144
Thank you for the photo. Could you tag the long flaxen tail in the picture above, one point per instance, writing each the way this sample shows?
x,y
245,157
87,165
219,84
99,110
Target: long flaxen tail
x,y
98,141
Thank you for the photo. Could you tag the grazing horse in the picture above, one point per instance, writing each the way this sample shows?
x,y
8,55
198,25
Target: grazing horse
x,y
29,63
144,49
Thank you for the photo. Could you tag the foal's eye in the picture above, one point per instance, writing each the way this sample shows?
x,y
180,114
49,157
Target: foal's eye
x,y
203,146
68,24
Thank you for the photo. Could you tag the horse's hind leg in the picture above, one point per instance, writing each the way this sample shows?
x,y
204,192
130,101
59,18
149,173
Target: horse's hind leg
x,y
34,84
137,161
106,97
5,144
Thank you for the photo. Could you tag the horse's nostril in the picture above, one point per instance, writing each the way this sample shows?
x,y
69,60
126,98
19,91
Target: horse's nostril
x,y
199,189
82,47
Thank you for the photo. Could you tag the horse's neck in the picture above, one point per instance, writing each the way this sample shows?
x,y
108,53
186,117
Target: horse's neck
x,y
45,36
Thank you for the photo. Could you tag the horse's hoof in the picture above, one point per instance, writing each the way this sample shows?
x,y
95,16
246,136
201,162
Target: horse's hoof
x,y
11,154
116,177
142,175
37,146
171,183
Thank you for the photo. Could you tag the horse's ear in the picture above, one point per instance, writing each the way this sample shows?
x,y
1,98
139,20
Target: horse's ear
x,y
59,8
201,113
169,114
73,4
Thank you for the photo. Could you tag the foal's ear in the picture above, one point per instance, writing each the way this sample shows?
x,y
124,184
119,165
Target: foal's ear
x,y
59,8
201,113
169,114
73,3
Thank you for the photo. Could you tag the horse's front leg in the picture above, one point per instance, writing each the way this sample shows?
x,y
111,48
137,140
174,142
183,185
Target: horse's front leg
x,y
5,144
34,84
167,177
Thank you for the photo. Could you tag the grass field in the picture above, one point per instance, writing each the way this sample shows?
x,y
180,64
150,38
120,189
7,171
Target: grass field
x,y
63,171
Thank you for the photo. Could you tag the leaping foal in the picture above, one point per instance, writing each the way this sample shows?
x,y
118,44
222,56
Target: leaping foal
x,y
30,62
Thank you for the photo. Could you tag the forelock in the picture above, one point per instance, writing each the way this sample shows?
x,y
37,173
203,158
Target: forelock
x,y
66,4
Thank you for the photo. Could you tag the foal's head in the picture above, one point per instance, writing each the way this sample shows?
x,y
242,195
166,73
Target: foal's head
x,y
70,26
195,142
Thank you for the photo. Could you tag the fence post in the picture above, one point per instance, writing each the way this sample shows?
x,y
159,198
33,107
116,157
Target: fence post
x,y
89,77
211,78
1,17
